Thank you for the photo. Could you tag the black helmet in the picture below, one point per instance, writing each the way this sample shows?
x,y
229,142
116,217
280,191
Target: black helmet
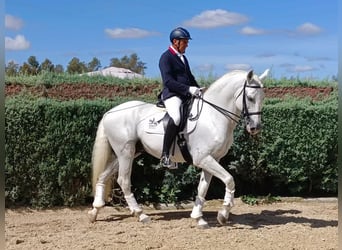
x,y
179,33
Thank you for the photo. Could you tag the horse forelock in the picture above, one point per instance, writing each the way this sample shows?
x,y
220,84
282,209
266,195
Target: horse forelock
x,y
256,81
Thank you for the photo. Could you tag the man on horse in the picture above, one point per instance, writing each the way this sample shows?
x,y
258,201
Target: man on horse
x,y
179,84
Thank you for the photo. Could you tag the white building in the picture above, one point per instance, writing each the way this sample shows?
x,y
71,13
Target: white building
x,y
116,72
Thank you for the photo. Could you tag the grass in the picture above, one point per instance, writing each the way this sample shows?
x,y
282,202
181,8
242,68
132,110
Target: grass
x,y
48,78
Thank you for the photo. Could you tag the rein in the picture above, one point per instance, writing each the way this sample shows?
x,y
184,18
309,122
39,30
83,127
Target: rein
x,y
223,111
227,113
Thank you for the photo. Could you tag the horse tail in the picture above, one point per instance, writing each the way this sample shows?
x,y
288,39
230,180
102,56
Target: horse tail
x,y
101,156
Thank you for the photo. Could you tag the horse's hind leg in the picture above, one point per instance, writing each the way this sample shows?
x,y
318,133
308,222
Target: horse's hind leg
x,y
126,158
101,189
103,186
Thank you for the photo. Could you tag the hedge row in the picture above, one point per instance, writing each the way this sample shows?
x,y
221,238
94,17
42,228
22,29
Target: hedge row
x,y
49,143
296,154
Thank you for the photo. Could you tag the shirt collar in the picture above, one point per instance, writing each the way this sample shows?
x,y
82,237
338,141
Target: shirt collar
x,y
175,51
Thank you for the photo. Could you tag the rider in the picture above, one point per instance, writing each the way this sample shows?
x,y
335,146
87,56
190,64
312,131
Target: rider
x,y
178,85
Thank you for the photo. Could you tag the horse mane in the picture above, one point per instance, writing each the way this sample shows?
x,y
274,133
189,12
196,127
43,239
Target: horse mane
x,y
226,80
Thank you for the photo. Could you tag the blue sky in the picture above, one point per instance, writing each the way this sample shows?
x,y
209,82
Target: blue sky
x,y
293,38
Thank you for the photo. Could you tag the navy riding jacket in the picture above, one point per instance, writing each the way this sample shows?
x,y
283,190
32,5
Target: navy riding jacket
x,y
176,76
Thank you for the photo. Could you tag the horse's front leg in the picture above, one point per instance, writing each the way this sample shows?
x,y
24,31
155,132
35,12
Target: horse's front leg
x,y
228,203
209,164
200,199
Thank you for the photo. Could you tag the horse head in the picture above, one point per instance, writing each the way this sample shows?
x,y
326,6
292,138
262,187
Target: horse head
x,y
249,100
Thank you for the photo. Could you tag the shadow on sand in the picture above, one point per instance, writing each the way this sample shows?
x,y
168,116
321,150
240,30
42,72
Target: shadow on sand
x,y
251,220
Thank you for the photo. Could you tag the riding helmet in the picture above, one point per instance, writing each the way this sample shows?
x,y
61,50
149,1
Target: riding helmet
x,y
179,33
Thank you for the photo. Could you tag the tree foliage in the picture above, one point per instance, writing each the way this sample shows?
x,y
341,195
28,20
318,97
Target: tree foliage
x,y
31,67
132,62
94,65
75,66
12,68
59,68
47,65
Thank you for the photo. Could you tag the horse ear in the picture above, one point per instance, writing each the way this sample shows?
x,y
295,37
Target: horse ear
x,y
264,75
250,75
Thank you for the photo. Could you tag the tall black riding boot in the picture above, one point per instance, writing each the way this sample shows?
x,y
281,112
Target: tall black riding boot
x,y
170,134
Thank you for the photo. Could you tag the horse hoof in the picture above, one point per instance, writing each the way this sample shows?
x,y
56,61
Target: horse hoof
x,y
144,218
222,219
202,224
92,215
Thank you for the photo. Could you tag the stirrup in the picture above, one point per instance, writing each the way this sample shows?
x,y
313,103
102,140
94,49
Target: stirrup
x,y
167,163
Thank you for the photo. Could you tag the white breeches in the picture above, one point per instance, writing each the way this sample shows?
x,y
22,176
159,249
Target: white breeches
x,y
173,105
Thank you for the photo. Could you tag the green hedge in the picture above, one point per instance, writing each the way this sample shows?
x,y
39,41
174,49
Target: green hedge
x,y
295,154
49,143
48,150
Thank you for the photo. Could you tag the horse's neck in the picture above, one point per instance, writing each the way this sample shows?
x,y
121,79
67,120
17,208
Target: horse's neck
x,y
222,92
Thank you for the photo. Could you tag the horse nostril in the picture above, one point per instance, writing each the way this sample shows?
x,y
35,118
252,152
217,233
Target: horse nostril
x,y
254,130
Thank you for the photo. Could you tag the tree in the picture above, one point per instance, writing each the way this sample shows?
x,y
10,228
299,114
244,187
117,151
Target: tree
x,y
47,66
25,69
31,67
59,68
11,68
132,62
34,65
94,65
75,66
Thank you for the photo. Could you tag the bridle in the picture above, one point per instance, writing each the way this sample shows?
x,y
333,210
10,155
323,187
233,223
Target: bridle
x,y
245,113
228,114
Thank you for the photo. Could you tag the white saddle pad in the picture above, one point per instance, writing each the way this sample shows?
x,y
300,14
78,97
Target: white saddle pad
x,y
153,124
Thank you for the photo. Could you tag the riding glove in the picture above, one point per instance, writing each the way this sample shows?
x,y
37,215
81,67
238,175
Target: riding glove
x,y
194,90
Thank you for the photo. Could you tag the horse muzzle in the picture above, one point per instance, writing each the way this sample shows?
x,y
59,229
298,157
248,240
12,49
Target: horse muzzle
x,y
253,129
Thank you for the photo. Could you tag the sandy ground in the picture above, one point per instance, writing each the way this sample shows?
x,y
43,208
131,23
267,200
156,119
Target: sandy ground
x,y
290,224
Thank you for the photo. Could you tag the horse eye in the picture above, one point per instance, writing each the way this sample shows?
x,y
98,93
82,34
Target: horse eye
x,y
250,99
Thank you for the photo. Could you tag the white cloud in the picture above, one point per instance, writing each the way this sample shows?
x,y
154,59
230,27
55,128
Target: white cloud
x,y
128,33
313,59
215,18
18,43
206,67
305,29
286,65
299,69
252,31
238,66
266,55
308,29
13,23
